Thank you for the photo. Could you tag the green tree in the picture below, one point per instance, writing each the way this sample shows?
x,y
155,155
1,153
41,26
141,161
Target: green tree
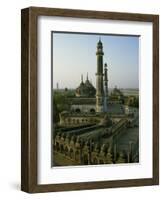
x,y
55,112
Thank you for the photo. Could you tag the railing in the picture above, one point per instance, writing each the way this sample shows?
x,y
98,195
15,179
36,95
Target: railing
x,y
83,130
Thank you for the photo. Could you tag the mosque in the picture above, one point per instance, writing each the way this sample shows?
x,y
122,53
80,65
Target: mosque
x,y
98,128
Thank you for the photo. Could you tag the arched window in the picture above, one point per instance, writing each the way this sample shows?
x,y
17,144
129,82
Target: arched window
x,y
77,156
78,110
57,146
95,161
92,110
61,148
66,150
85,159
101,162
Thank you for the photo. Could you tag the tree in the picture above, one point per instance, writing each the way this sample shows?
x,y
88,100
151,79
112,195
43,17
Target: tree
x,y
55,112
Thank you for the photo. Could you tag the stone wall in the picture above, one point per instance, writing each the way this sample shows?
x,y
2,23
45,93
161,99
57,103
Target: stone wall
x,y
83,152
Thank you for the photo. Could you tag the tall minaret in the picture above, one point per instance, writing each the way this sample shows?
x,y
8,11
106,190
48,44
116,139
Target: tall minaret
x,y
99,79
105,88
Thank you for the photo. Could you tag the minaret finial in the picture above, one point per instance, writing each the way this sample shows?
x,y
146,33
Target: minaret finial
x,y
82,78
87,75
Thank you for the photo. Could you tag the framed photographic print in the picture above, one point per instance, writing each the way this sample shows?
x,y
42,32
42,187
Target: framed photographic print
x,y
90,99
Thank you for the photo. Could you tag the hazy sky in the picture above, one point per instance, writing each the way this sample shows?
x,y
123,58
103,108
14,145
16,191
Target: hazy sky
x,y
75,54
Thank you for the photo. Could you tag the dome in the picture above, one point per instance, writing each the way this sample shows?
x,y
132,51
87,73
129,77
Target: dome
x,y
117,92
85,89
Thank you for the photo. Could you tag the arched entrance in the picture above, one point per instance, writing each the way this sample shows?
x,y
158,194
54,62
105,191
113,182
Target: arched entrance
x,y
101,162
61,148
57,146
92,110
78,110
66,151
85,159
95,161
77,156
71,153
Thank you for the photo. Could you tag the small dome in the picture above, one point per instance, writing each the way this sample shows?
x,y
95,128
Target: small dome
x,y
117,92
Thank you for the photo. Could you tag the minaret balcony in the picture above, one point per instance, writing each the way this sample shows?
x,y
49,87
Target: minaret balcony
x,y
100,53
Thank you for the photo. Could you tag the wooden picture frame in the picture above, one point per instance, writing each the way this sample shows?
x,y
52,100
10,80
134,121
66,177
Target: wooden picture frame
x,y
29,172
